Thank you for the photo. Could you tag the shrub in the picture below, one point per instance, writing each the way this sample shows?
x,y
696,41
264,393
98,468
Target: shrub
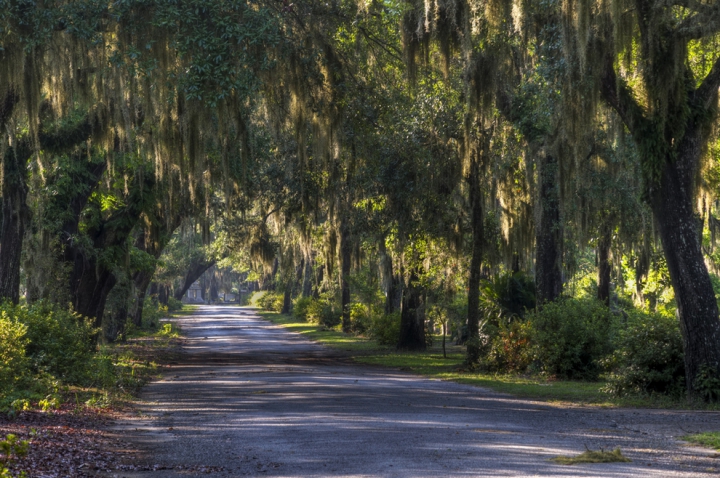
x,y
509,346
322,312
507,296
360,318
13,362
271,301
60,342
174,304
300,307
385,328
570,337
153,312
648,357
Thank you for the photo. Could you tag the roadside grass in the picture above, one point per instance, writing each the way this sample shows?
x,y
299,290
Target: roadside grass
x,y
432,364
188,309
593,456
708,439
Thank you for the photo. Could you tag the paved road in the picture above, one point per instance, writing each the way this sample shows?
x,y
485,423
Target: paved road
x,y
250,398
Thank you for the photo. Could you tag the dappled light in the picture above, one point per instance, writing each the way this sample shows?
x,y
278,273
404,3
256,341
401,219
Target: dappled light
x,y
252,395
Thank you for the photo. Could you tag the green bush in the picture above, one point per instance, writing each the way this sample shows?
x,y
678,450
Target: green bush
x,y
361,317
13,362
323,312
174,304
153,312
570,337
648,356
60,342
271,301
509,346
507,296
385,329
300,307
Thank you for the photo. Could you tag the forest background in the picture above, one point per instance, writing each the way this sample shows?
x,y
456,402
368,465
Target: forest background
x,y
540,178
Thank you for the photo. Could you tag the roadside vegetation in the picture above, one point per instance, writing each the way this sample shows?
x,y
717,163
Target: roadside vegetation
x,y
50,358
540,180
576,350
708,439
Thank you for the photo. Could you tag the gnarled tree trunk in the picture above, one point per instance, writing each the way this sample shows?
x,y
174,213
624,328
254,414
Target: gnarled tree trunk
x,y
674,212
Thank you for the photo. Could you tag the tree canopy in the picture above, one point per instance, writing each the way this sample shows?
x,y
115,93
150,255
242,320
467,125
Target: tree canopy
x,y
396,160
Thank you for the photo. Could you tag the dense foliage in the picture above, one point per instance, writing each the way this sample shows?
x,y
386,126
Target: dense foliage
x,y
530,178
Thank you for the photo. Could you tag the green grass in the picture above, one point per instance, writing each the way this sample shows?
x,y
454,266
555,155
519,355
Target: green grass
x,y
591,456
708,439
188,309
432,364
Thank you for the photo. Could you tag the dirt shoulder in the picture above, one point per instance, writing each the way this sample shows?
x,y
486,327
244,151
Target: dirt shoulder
x,y
76,438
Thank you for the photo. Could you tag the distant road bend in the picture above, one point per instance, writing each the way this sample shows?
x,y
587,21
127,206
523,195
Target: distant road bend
x,y
251,398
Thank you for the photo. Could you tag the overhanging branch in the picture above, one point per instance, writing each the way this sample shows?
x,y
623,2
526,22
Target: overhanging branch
x,y
709,87
618,96
699,25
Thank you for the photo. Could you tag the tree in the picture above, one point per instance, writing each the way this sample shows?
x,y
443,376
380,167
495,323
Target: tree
x,y
669,112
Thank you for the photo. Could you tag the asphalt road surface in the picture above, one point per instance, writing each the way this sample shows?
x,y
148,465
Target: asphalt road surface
x,y
250,398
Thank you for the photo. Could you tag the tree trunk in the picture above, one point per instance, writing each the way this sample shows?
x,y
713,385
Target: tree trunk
x,y
673,209
478,232
444,332
307,277
214,297
345,263
412,317
392,283
142,282
197,269
90,285
15,216
318,282
14,208
163,294
548,236
287,298
604,265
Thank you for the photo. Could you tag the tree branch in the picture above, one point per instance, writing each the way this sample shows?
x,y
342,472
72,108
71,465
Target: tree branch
x,y
693,5
700,25
618,96
708,89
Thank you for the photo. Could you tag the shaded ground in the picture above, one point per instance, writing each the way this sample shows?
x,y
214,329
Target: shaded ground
x,y
249,398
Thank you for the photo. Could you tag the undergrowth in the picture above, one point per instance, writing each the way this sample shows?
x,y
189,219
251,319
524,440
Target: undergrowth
x,y
49,356
431,363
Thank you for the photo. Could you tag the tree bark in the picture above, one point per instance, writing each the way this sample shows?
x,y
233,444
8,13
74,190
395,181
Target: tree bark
x,y
345,263
214,297
412,317
14,208
548,236
673,209
142,282
163,294
15,216
307,276
91,278
287,298
478,233
604,265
